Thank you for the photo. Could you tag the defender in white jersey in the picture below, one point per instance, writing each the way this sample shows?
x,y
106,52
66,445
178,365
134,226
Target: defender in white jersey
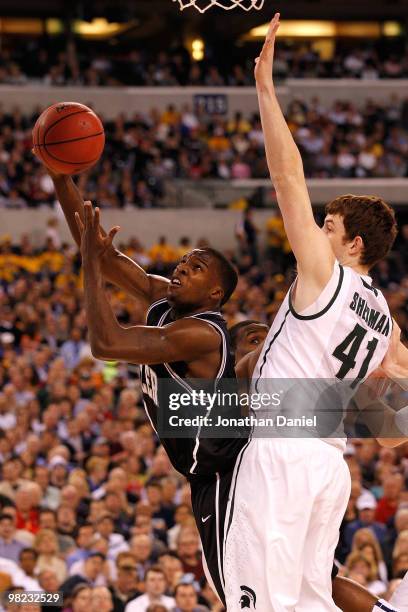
x,y
289,495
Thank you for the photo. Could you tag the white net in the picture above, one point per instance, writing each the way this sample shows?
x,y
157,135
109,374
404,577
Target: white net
x,y
227,5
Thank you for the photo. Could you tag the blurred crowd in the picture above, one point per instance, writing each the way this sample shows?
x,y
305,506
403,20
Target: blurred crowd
x,y
143,151
89,503
85,64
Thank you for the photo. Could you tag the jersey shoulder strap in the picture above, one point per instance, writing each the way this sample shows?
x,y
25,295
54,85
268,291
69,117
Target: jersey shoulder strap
x,y
156,313
217,321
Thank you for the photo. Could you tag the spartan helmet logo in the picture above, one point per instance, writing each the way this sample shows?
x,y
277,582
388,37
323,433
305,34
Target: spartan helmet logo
x,y
248,598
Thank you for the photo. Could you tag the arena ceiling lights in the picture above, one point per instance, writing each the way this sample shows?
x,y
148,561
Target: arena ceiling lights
x,y
328,29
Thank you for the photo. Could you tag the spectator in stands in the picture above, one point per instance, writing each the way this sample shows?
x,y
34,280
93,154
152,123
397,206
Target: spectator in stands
x,y
357,563
72,350
155,588
50,498
366,519
186,599
27,499
28,562
48,581
81,598
11,473
173,570
183,517
124,589
46,545
84,542
10,548
116,542
372,552
387,505
188,550
91,571
101,600
141,547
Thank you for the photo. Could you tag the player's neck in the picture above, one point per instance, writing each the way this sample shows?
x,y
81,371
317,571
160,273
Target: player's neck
x,y
362,270
356,266
179,313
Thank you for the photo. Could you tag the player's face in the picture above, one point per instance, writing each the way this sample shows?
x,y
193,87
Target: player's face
x,y
344,250
334,229
249,338
194,282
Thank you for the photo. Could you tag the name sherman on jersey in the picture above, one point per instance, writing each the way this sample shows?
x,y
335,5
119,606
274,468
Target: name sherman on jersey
x,y
378,321
343,336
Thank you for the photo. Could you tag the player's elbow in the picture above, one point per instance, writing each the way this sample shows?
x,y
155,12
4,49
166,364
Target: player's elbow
x,y
99,351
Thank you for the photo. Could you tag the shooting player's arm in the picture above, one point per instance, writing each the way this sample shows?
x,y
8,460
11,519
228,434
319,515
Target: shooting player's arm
x,y
116,267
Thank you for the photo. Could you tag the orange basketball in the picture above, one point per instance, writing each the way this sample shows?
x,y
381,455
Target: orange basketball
x,y
68,137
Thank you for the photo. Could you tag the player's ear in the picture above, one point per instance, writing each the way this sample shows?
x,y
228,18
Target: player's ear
x,y
356,246
217,293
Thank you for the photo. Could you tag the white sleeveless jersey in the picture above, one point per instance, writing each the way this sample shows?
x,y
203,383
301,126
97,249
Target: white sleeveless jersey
x,y
343,335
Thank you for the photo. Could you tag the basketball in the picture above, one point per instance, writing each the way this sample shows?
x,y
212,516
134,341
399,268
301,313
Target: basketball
x,y
68,137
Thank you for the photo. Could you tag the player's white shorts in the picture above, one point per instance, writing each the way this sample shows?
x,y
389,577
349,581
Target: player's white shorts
x,y
288,498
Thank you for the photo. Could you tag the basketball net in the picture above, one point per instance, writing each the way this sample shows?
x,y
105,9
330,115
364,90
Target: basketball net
x,y
227,5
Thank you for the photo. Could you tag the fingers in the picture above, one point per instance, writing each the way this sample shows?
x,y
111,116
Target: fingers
x,y
88,214
273,27
109,238
79,223
271,35
97,218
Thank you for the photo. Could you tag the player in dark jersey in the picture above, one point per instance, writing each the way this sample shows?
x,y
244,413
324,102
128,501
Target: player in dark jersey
x,y
191,340
185,341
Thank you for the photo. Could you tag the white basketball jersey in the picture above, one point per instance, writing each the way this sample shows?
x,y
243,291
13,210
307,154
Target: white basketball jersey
x,y
343,335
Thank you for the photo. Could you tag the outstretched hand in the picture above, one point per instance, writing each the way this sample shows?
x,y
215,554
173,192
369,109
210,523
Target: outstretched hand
x,y
264,63
94,244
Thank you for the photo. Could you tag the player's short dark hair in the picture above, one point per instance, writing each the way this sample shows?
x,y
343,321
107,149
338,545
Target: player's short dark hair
x,y
369,217
235,329
227,273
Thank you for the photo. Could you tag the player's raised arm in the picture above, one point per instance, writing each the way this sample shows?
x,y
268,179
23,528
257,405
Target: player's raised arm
x,y
310,245
117,268
186,339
